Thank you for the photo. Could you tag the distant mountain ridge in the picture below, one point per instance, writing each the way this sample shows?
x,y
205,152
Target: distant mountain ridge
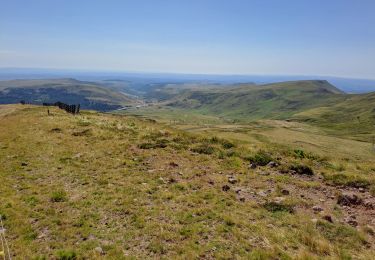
x,y
252,102
89,95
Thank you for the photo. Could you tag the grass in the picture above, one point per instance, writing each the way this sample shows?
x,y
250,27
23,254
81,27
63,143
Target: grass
x,y
79,192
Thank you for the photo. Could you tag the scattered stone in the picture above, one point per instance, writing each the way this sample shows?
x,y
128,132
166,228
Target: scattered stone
x,y
284,192
272,164
314,220
262,193
351,220
237,190
162,180
317,209
242,199
278,200
328,218
322,200
369,205
252,166
211,182
232,180
172,180
24,164
361,189
173,164
99,250
347,199
225,188
369,230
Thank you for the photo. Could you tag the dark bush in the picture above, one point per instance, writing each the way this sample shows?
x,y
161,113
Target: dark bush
x,y
261,158
302,169
299,153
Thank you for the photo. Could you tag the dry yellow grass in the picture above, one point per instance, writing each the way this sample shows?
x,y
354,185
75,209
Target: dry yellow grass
x,y
72,184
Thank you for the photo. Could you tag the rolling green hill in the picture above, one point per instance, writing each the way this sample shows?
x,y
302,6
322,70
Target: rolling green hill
x,y
89,95
353,116
252,102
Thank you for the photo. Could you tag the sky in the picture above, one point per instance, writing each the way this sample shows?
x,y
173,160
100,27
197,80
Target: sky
x,y
268,37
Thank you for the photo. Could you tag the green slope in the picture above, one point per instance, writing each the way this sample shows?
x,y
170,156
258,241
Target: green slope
x,y
251,102
354,116
89,95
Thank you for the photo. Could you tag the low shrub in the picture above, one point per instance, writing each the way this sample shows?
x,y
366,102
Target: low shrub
x,y
203,149
299,154
340,179
66,255
278,207
58,196
261,158
302,169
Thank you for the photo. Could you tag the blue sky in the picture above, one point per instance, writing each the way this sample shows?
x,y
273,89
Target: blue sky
x,y
294,37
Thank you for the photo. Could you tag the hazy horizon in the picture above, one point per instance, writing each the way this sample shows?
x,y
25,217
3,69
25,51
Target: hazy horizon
x,y
300,38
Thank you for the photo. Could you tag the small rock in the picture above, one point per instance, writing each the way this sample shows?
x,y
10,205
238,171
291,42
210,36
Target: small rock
x,y
211,182
369,205
232,180
262,193
369,230
314,220
173,164
272,164
328,218
99,250
351,220
242,199
172,180
317,209
361,190
347,199
279,200
237,190
24,164
322,200
264,173
284,192
225,188
252,165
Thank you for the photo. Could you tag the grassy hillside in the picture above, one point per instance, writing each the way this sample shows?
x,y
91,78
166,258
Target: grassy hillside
x,y
251,102
89,95
118,187
355,116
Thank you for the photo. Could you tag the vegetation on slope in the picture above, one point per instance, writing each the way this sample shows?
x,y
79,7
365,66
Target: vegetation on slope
x,y
98,185
89,95
252,102
355,116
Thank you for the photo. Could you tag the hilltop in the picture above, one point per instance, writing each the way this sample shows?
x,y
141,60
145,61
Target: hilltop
x,y
90,95
252,102
100,185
